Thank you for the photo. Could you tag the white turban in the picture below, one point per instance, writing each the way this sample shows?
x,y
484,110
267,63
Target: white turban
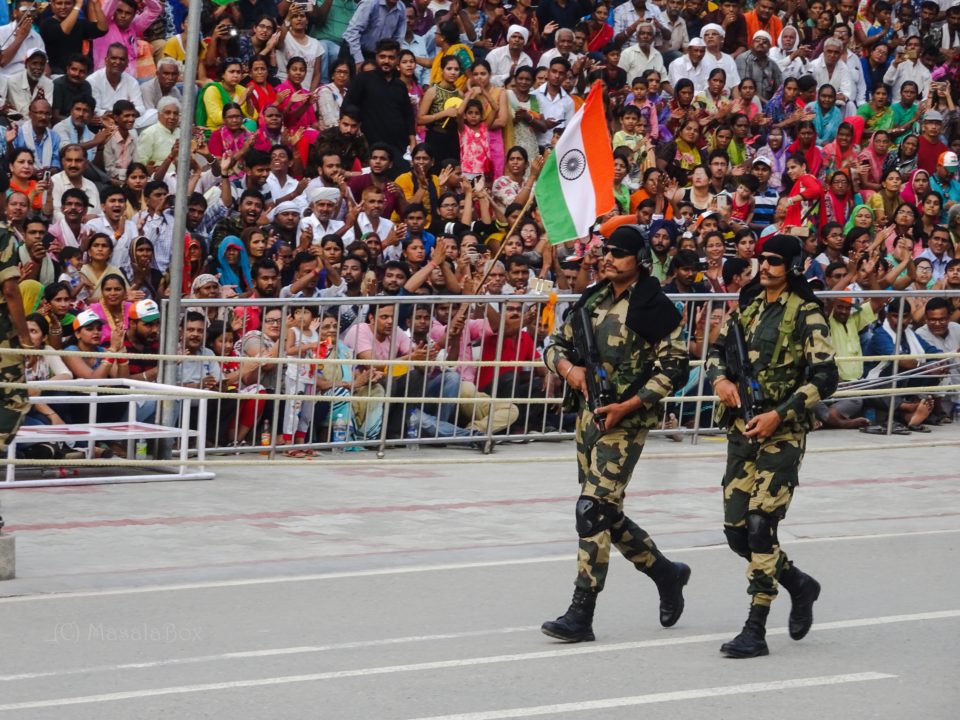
x,y
323,193
519,29
762,34
288,206
712,26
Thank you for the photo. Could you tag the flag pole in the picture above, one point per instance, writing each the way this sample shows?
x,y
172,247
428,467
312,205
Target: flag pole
x,y
490,263
184,157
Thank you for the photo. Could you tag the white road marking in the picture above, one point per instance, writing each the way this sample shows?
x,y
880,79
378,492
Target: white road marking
x,y
382,642
563,652
663,697
273,652
443,567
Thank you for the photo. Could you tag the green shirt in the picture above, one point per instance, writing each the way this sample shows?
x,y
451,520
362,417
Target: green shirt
x,y
846,340
341,11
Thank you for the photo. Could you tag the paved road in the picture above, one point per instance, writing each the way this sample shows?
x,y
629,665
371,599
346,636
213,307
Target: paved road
x,y
405,592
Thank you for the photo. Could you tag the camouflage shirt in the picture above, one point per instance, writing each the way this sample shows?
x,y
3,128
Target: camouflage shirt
x,y
9,270
805,371
634,366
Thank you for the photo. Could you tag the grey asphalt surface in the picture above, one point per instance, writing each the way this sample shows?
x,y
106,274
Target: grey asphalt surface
x,y
402,591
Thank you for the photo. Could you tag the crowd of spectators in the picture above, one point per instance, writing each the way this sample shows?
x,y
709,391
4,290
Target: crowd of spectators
x,y
373,150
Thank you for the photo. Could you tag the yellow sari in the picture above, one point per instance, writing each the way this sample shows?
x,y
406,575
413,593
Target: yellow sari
x,y
463,54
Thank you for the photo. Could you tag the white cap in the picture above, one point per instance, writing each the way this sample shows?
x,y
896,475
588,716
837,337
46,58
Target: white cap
x,y
697,42
712,26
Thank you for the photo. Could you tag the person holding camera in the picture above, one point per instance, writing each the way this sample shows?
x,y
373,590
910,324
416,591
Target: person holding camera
x,y
638,335
790,358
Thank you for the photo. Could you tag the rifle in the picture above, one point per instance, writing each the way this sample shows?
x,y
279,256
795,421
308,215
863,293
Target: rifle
x,y
738,362
599,389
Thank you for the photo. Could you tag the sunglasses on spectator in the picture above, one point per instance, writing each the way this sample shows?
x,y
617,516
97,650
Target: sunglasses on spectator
x,y
772,260
618,252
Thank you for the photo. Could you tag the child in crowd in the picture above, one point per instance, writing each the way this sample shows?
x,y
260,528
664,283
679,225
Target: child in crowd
x,y
72,262
474,140
741,202
301,342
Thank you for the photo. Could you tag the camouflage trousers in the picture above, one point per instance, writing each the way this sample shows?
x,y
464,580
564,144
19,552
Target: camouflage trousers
x,y
757,489
13,401
605,463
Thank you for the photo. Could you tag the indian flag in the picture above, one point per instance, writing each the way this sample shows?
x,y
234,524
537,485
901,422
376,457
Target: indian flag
x,y
576,183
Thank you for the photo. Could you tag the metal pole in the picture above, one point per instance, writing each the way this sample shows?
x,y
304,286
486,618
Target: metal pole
x,y
192,49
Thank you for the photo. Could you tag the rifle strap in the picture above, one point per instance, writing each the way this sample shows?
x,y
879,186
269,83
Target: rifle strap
x,y
788,324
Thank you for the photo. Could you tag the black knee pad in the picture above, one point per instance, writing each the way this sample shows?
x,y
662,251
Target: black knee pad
x,y
594,516
761,532
738,541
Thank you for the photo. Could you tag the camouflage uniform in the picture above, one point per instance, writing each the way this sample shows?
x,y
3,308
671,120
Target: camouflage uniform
x,y
606,461
13,401
789,348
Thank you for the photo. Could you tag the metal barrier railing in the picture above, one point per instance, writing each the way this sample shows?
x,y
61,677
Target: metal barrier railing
x,y
299,375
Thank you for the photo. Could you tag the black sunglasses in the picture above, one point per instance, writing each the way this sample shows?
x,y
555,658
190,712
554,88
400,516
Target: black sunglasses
x,y
617,252
772,260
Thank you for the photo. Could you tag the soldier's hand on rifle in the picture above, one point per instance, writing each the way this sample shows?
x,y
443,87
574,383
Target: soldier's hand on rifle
x,y
764,425
728,393
576,378
612,414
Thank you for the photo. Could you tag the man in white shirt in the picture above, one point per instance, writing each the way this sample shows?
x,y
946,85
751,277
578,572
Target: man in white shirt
x,y
282,185
74,161
829,70
156,143
18,39
950,44
504,60
691,66
369,220
641,56
858,83
565,41
111,83
24,86
113,222
945,336
908,65
713,35
323,201
556,105
627,19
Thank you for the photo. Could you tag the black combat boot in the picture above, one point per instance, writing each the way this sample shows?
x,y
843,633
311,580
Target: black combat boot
x,y
576,625
670,586
751,642
804,591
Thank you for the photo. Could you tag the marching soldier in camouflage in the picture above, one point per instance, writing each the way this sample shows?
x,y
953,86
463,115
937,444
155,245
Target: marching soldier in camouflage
x,y
789,349
638,334
13,334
